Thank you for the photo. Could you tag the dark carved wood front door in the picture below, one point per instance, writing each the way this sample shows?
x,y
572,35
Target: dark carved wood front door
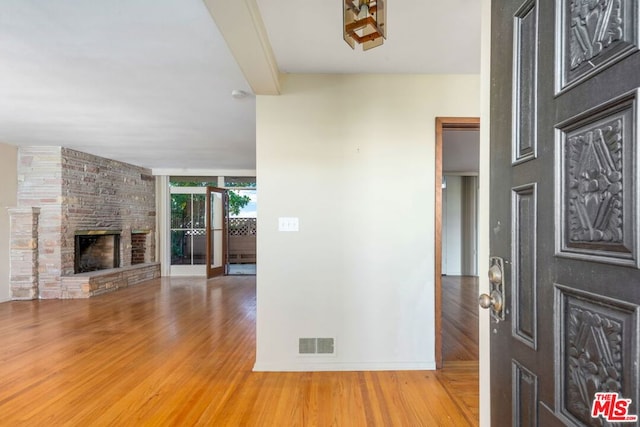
x,y
564,209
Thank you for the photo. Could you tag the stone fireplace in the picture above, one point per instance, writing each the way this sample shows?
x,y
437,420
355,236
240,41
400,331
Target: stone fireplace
x,y
96,250
75,231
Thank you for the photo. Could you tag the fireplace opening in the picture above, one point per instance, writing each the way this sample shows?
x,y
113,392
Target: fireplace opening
x,y
96,250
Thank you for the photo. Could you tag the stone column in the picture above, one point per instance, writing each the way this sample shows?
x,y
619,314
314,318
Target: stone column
x,y
24,253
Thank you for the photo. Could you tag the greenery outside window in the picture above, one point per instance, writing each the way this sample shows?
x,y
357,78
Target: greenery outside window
x,y
188,233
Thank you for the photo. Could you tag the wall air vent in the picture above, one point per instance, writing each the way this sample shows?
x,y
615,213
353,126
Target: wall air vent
x,y
325,345
307,346
316,346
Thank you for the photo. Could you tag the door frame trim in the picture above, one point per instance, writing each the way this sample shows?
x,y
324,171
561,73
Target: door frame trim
x,y
442,123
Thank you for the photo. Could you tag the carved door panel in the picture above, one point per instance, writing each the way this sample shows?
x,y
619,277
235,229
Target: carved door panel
x,y
564,208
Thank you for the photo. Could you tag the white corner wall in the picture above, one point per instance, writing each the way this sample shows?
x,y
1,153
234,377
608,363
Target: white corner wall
x,y
483,212
352,156
8,198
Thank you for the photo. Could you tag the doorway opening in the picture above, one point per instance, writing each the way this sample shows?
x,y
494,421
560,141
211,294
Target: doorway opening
x,y
456,269
242,230
230,240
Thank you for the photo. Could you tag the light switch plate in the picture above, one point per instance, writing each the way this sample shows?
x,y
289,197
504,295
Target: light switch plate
x,y
288,224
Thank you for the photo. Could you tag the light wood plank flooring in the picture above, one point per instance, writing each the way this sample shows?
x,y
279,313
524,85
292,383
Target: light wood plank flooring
x,y
180,352
459,318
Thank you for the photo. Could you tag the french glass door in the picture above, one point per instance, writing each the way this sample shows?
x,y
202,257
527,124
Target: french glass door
x,y
216,231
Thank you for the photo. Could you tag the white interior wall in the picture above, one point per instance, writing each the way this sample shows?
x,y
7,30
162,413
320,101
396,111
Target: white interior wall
x,y
351,156
8,198
452,226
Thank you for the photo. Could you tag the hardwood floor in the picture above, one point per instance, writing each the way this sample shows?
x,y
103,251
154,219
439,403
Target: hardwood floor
x,y
459,318
180,352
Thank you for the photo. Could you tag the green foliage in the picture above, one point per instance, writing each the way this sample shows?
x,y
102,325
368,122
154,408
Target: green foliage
x,y
192,184
237,202
179,201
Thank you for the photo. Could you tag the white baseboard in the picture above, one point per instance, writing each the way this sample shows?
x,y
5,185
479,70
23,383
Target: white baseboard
x,y
343,366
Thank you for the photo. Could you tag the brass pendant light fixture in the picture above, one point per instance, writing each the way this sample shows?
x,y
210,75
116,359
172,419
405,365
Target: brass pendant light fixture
x,y
364,23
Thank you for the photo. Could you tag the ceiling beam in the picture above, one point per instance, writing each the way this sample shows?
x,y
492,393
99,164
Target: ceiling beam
x,y
241,25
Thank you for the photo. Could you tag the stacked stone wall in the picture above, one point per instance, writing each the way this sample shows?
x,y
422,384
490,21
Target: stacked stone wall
x,y
77,191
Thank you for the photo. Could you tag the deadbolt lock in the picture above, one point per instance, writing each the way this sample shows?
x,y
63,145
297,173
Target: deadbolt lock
x,y
495,274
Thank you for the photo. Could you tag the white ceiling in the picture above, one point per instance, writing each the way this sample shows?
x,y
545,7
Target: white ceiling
x,y
149,82
423,37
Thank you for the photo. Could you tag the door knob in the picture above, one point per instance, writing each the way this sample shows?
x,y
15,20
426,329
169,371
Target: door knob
x,y
493,301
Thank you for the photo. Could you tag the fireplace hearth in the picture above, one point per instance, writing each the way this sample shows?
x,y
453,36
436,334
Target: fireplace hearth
x,y
96,250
